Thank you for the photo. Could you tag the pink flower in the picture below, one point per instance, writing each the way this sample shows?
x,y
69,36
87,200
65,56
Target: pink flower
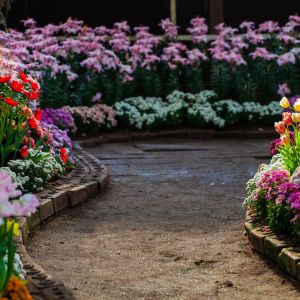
x,y
286,58
97,97
283,89
269,26
11,205
262,53
170,30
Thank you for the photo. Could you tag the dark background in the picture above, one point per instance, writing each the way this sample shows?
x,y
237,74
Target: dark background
x,y
236,11
147,12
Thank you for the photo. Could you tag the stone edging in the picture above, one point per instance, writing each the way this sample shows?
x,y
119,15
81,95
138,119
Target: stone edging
x,y
283,251
127,136
88,179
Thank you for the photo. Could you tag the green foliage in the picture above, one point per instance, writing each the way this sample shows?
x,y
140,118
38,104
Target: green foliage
x,y
8,250
222,79
279,216
244,88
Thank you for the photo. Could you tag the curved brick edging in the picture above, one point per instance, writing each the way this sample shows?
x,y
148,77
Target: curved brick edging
x,y
282,250
88,179
126,136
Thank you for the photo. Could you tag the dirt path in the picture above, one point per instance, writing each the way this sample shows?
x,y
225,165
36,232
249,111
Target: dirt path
x,y
169,227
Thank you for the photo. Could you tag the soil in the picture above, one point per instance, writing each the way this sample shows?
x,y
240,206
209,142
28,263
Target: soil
x,y
170,226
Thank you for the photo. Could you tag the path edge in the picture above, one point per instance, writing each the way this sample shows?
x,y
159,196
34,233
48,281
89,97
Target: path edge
x,y
283,251
90,178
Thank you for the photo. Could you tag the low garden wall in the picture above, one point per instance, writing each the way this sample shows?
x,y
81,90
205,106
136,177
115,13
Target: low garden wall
x,y
280,249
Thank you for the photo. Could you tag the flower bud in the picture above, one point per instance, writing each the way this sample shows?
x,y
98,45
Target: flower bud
x,y
296,117
284,102
284,139
280,127
287,118
297,105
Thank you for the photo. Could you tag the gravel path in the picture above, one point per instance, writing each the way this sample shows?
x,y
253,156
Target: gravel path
x,y
169,227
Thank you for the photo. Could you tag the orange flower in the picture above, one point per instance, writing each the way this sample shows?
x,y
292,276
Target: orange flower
x,y
280,127
16,289
284,139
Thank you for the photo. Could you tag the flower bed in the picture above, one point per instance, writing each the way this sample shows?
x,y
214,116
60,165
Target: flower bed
x,y
201,110
274,192
32,153
79,65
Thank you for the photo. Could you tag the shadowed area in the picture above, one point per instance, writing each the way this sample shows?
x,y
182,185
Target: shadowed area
x,y
170,226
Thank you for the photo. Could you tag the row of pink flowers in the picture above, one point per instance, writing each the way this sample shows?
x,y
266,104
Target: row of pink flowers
x,y
54,48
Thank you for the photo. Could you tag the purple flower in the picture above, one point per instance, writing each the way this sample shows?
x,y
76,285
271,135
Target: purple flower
x,y
285,190
60,117
60,137
270,182
274,146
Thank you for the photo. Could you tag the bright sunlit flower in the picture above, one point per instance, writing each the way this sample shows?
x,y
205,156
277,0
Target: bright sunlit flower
x,y
284,102
297,105
280,127
296,117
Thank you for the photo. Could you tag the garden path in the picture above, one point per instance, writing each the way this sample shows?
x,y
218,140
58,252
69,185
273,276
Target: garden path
x,y
170,226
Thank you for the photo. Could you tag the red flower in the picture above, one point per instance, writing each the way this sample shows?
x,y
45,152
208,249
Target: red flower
x,y
16,86
32,123
35,86
11,102
287,118
24,151
23,76
31,95
5,79
32,143
63,155
38,114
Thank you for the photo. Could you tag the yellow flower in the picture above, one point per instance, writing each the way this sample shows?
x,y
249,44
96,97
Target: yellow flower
x,y
297,105
284,102
296,117
15,225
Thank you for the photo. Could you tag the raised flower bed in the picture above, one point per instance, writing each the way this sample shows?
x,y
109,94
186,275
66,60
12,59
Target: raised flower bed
x,y
32,154
273,196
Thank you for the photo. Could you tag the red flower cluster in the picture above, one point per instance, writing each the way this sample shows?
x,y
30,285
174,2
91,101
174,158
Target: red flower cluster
x,y
26,86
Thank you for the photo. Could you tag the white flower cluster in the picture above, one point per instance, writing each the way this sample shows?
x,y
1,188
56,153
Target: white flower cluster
x,y
201,110
32,173
253,111
141,113
276,163
203,114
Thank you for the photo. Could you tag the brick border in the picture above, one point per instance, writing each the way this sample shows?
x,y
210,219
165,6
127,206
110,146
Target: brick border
x,y
88,179
117,136
280,249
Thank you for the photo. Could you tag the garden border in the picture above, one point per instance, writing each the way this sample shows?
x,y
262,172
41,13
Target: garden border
x,y
280,249
88,179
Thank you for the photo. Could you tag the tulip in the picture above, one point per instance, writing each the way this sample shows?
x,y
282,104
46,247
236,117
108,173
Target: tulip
x,y
285,139
280,127
296,117
287,118
297,105
284,102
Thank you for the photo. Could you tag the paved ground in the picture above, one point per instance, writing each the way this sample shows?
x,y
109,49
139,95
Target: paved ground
x,y
169,227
